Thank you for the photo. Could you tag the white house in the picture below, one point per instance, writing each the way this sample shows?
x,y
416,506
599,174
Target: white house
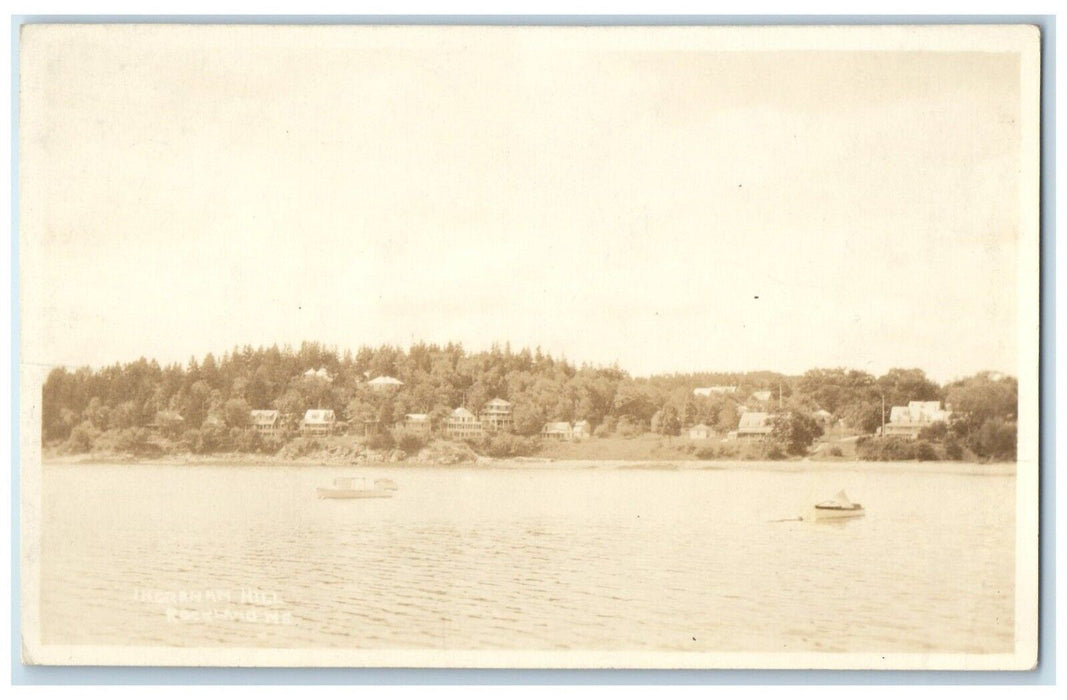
x,y
266,422
755,424
561,430
417,423
699,431
385,383
318,421
710,390
463,425
496,416
908,421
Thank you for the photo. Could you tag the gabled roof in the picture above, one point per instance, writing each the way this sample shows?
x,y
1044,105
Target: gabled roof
x,y
318,415
762,395
899,414
320,373
264,417
498,403
557,427
753,420
700,426
918,412
462,413
385,381
416,417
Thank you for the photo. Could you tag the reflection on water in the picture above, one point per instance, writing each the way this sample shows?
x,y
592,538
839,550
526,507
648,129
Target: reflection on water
x,y
526,559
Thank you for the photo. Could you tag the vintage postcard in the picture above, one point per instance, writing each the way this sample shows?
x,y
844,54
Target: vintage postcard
x,y
487,346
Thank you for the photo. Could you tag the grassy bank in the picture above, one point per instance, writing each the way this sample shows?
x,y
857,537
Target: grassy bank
x,y
504,449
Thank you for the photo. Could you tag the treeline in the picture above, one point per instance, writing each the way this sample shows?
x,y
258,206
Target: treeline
x,y
205,404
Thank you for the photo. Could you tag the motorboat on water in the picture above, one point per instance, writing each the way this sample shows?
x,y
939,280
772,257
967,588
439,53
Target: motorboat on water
x,y
356,487
387,484
837,508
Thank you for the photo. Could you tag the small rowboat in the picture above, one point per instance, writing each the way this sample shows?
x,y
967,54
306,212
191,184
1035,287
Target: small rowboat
x,y
837,508
344,487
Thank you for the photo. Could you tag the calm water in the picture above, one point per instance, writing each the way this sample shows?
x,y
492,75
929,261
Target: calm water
x,y
528,559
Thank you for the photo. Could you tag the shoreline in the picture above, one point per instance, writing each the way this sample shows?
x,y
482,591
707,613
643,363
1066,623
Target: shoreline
x,y
531,464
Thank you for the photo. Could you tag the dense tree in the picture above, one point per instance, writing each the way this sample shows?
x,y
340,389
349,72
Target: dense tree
x,y
795,430
205,403
982,397
666,421
984,413
237,413
529,419
903,385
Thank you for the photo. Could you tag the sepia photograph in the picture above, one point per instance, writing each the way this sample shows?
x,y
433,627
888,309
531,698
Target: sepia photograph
x,y
657,347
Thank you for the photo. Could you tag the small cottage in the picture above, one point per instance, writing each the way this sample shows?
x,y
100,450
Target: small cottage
x,y
417,423
560,430
699,432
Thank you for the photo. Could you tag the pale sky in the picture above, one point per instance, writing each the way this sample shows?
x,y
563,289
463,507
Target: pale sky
x,y
671,209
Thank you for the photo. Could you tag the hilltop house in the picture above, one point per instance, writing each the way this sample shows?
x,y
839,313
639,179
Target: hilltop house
x,y
318,421
319,373
463,425
496,416
699,431
908,421
709,390
384,383
266,422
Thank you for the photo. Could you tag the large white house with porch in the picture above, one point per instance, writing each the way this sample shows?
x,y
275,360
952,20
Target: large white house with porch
x,y
463,425
496,416
266,422
318,421
908,421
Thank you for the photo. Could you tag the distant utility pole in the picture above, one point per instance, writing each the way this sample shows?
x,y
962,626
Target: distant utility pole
x,y
883,416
